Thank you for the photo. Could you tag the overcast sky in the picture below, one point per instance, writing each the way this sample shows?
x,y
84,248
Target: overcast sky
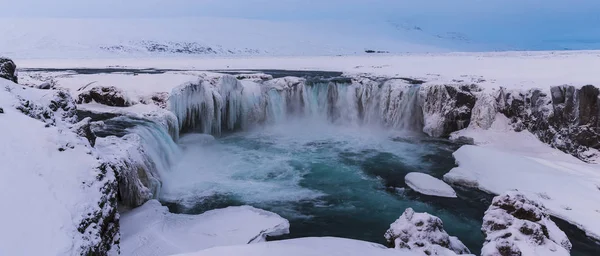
x,y
291,9
498,21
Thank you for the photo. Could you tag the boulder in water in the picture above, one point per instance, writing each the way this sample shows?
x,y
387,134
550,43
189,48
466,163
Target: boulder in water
x,y
515,225
423,232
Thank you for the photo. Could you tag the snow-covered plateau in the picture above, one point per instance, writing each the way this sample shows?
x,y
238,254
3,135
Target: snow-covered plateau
x,y
89,144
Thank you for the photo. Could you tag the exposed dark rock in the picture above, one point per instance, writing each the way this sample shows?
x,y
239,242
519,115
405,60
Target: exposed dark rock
x,y
1,111
422,232
447,108
83,129
45,86
514,224
110,96
158,98
101,227
8,69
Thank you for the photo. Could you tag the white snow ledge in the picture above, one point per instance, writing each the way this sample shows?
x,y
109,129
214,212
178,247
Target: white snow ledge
x,y
151,230
569,190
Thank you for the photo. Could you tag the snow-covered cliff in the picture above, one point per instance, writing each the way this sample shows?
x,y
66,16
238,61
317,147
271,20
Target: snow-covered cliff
x,y
77,199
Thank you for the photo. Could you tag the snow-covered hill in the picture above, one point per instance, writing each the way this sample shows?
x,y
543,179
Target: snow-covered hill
x,y
61,38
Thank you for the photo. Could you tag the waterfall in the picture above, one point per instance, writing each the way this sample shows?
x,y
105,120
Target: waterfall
x,y
141,151
228,104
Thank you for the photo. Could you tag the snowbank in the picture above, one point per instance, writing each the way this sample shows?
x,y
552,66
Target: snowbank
x,y
497,171
151,230
64,207
310,246
427,185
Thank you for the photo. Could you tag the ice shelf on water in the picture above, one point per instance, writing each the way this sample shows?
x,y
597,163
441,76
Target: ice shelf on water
x,y
428,185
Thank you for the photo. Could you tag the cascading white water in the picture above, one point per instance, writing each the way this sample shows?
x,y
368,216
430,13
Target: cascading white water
x,y
227,104
142,156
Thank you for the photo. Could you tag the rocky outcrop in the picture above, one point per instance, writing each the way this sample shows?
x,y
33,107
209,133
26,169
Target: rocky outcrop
x,y
515,225
422,232
57,104
8,69
567,117
446,108
109,95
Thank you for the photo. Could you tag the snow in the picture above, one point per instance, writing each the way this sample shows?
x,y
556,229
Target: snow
x,y
507,160
491,70
310,246
423,232
428,185
45,192
151,230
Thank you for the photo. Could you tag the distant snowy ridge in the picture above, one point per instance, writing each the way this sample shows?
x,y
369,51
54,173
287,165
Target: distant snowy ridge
x,y
63,38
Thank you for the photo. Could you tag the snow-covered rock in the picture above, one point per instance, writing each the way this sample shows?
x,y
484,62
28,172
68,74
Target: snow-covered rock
x,y
309,246
8,69
151,230
424,233
428,185
62,195
109,95
516,225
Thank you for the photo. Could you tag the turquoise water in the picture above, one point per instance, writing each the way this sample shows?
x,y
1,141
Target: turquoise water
x,y
327,180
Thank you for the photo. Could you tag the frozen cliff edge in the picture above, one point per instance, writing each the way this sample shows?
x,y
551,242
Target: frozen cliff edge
x,y
40,138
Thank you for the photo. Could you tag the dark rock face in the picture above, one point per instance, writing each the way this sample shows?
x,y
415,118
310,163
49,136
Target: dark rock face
x,y
8,69
84,129
567,119
451,105
110,96
514,224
